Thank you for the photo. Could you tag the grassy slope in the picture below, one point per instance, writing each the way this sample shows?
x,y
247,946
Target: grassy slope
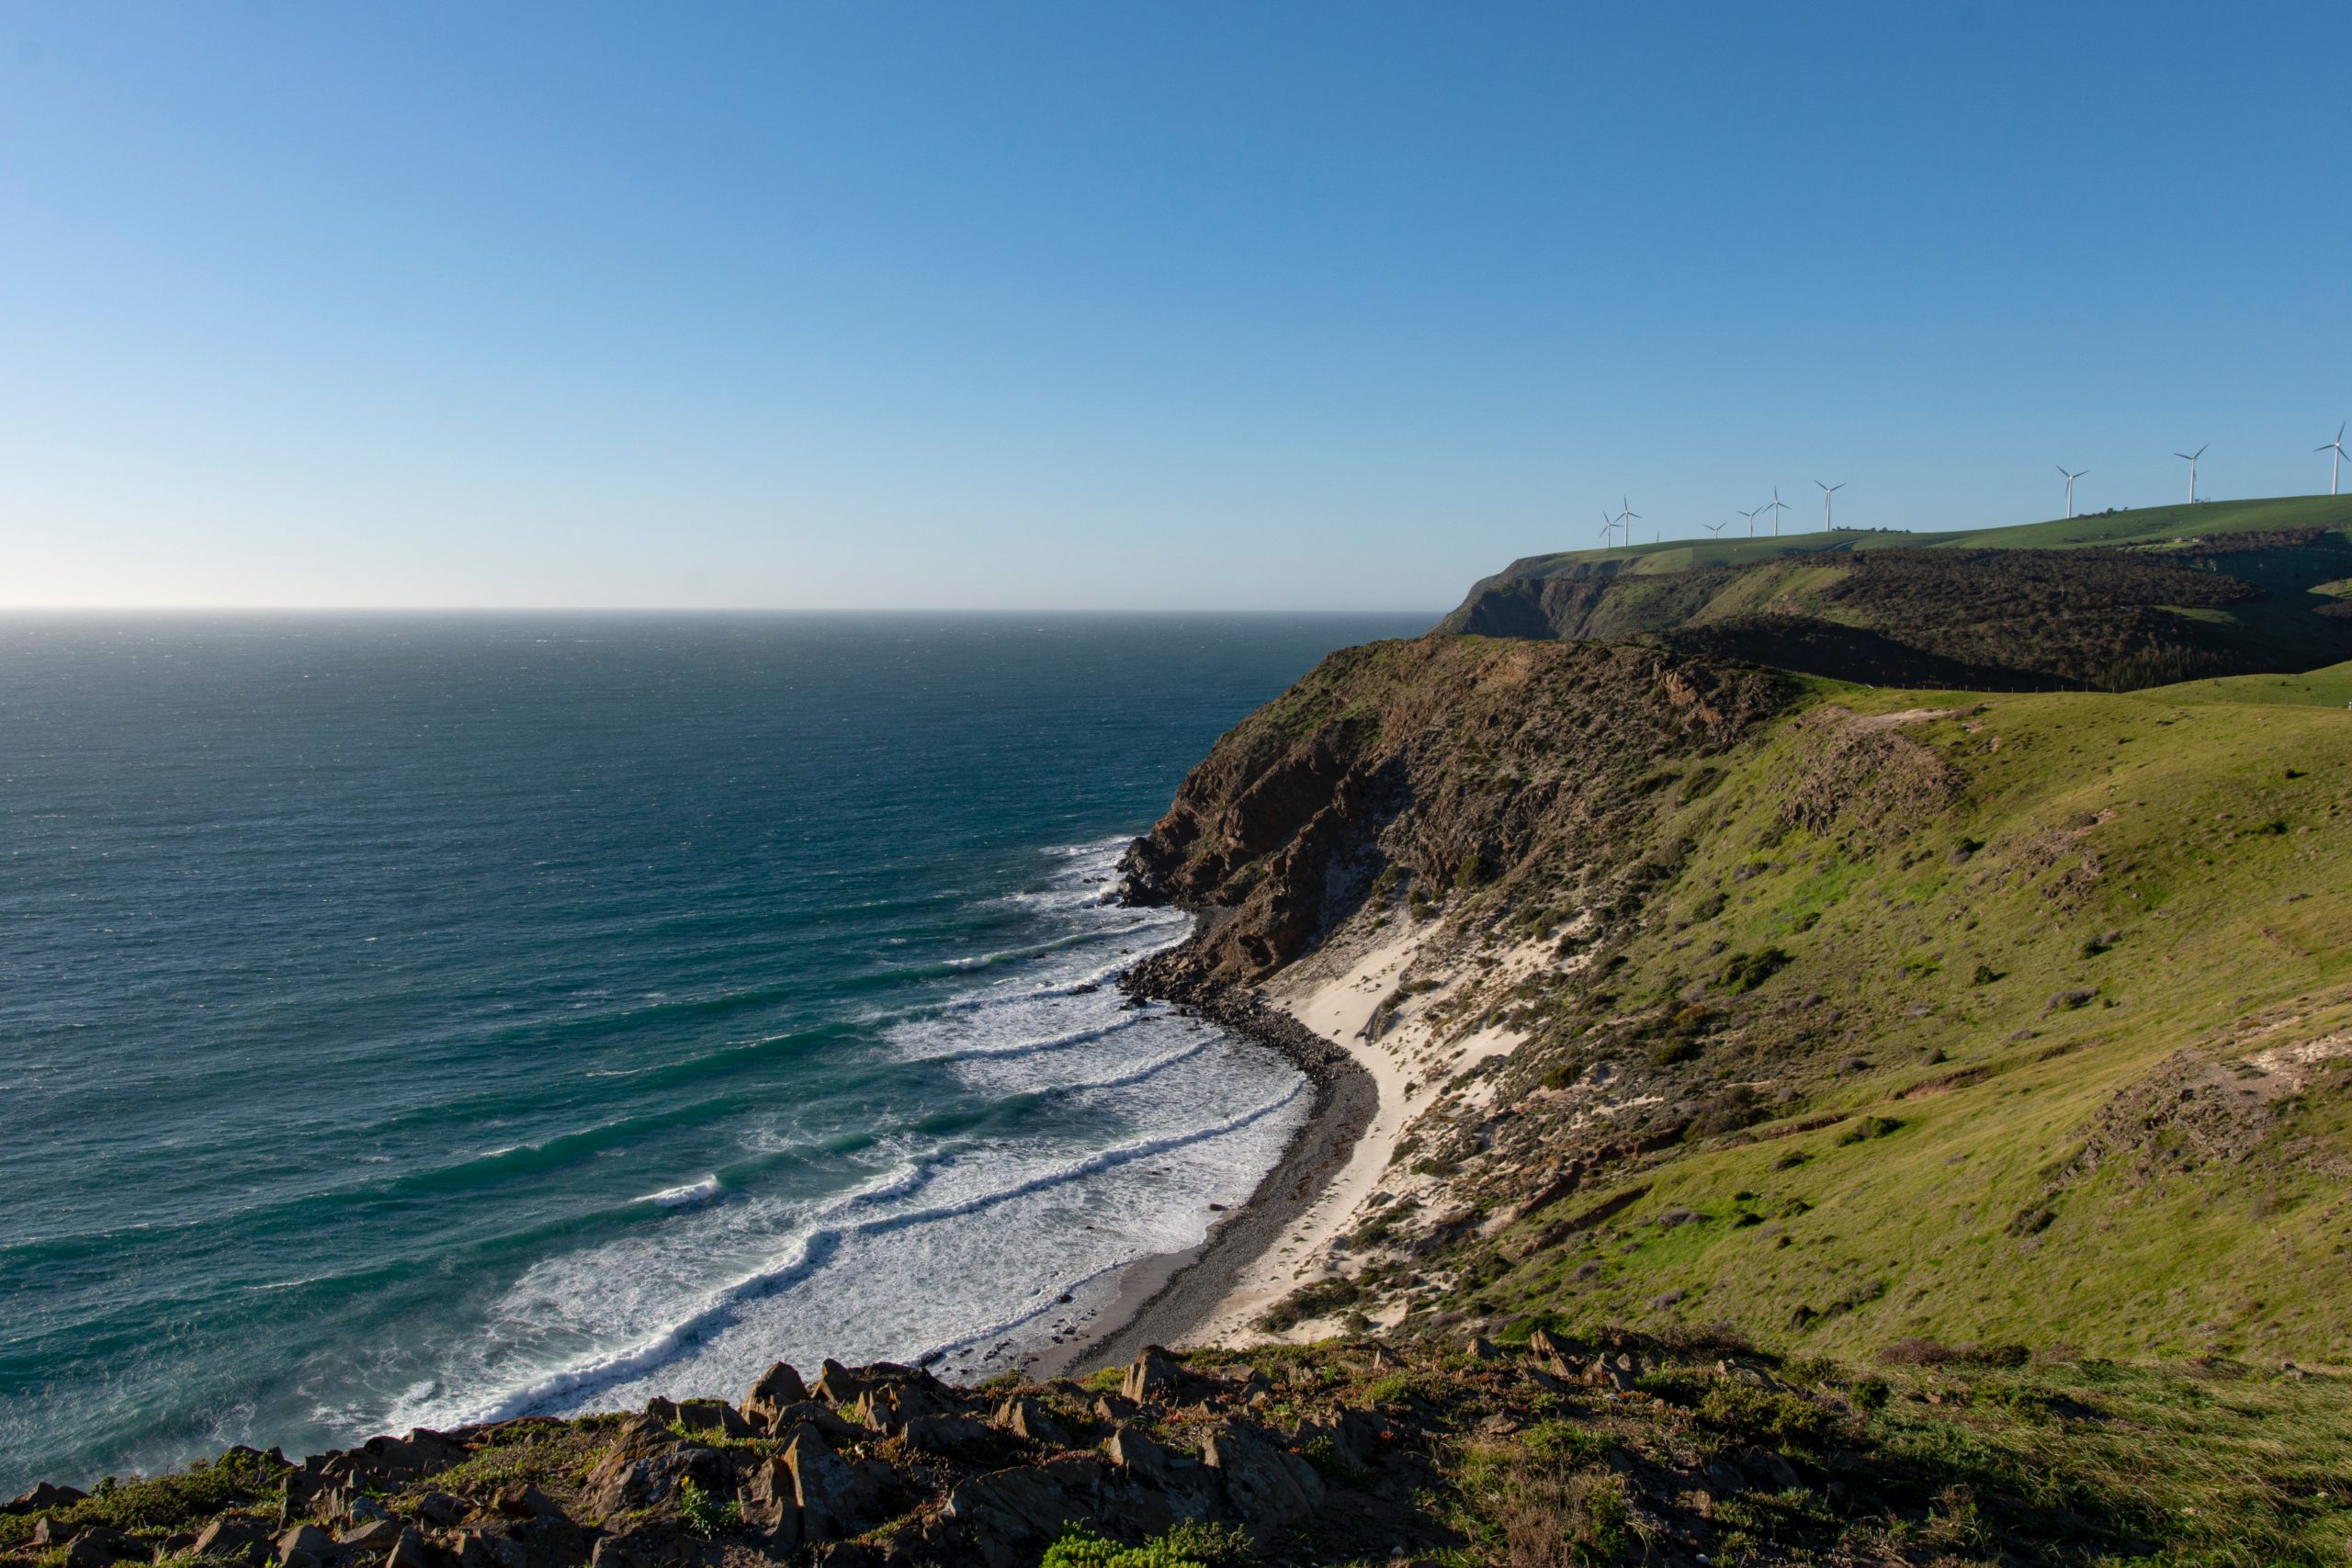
x,y
2141,526
2230,883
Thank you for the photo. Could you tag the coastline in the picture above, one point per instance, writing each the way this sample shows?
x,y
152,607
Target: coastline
x,y
1371,1077
1171,1296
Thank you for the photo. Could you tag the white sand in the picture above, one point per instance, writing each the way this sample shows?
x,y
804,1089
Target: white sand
x,y
1411,1067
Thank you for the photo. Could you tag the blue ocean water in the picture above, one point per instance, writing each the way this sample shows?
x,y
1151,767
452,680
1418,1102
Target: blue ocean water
x,y
412,1019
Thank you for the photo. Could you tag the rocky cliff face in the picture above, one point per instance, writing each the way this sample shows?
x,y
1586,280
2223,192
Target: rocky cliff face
x,y
1426,768
1965,619
1686,962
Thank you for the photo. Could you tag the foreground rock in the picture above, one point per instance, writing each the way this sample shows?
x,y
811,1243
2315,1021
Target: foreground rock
x,y
1623,1447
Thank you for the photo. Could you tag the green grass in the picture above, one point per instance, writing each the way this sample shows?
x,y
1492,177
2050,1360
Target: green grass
x,y
2152,872
2114,602
2139,525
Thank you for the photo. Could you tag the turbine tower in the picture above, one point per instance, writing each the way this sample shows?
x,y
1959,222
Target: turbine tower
x,y
1750,515
1608,526
2336,469
1776,509
1826,491
1628,516
2191,457
2078,473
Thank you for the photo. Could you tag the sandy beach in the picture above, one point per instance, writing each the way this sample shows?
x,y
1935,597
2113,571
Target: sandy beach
x,y
1370,1084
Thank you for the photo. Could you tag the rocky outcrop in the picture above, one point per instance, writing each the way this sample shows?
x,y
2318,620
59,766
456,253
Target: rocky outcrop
x,y
1446,766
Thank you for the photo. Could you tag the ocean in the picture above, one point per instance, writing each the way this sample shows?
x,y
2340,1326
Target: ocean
x,y
407,1020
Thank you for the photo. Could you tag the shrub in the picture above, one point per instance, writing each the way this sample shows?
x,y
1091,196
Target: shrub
x,y
1766,1416
1320,1298
1324,1455
704,1514
1192,1544
1869,1127
1749,970
201,1490
1929,1353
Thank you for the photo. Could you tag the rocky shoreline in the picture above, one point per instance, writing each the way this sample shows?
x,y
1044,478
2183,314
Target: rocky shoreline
x,y
1186,1289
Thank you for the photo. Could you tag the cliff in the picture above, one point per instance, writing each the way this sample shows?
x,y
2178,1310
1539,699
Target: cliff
x,y
1847,1125
1777,959
2122,601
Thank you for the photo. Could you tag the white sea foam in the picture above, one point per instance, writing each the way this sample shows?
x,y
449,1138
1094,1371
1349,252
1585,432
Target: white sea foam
x,y
965,1240
722,1308
701,1191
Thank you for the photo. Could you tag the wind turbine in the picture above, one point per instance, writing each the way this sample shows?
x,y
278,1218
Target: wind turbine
x,y
2336,469
1776,509
1750,515
1717,528
1608,526
2191,457
1629,518
2078,473
1826,491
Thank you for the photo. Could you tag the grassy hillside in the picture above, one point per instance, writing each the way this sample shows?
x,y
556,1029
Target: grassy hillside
x,y
1995,1046
1867,1015
2139,525
2116,602
2063,1061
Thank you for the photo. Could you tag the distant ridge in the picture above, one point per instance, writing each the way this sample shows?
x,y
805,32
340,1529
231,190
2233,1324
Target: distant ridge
x,y
2114,601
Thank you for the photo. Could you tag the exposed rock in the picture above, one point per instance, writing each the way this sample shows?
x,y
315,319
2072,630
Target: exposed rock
x,y
639,1548
525,1501
778,1387
376,1535
1009,1513
236,1539
44,1496
713,1415
836,1384
943,1434
303,1546
824,1417
638,1473
439,1509
409,1552
394,1459
1027,1417
887,1407
489,1548
834,1500
1155,1377
99,1547
770,1502
1267,1487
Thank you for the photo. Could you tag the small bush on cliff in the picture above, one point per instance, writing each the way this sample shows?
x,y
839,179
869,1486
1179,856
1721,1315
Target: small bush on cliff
x,y
704,1514
1761,1415
1749,970
240,1475
1192,1544
1318,1300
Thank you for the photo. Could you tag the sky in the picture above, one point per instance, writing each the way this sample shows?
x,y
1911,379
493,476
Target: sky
x,y
1124,306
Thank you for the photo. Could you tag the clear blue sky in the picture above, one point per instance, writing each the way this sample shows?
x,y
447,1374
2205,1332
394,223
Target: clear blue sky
x,y
1256,305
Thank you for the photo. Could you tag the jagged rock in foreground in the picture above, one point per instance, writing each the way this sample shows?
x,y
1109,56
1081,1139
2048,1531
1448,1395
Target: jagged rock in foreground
x,y
1619,1448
